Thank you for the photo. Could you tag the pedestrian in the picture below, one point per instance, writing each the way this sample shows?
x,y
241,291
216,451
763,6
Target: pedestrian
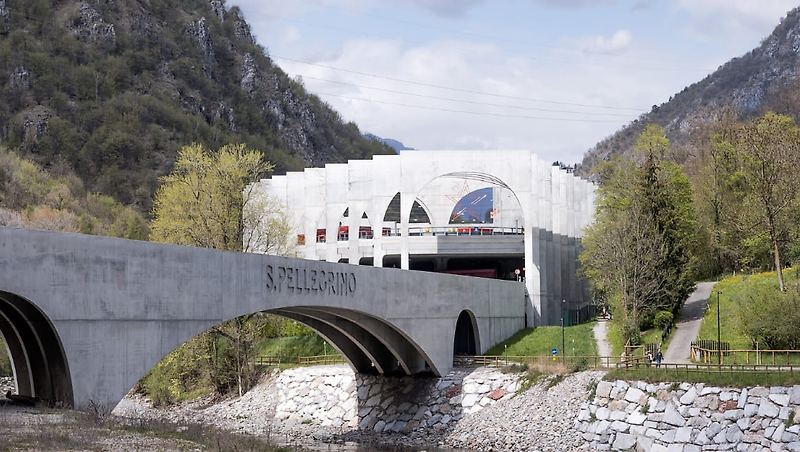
x,y
649,357
659,357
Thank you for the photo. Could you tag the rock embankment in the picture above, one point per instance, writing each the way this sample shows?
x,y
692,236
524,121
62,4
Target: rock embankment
x,y
539,419
7,384
331,404
690,417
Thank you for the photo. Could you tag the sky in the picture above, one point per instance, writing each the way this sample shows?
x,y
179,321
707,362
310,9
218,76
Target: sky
x,y
553,76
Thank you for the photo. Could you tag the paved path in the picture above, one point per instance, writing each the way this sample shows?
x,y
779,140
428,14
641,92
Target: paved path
x,y
688,326
601,337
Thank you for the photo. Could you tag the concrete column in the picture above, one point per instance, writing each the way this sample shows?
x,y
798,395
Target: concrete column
x,y
332,232
406,202
533,310
353,223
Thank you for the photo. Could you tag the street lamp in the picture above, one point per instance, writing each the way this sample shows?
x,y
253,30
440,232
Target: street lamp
x,y
563,347
719,333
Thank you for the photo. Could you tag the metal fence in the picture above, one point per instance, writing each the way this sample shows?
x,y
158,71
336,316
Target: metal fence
x,y
745,357
586,362
273,361
730,368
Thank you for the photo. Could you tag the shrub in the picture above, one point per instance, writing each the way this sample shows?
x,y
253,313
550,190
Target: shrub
x,y
663,319
771,317
631,333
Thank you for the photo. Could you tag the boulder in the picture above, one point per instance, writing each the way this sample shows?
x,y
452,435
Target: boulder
x,y
672,417
623,441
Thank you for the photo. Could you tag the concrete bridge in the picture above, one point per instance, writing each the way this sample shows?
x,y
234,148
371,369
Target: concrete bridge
x,y
85,317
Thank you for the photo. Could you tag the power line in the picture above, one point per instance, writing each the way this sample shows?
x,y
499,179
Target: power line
x,y
450,88
500,38
476,113
406,93
647,68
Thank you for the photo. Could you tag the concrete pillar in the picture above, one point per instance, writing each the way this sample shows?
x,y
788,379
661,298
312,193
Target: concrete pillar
x,y
533,310
406,202
353,223
332,232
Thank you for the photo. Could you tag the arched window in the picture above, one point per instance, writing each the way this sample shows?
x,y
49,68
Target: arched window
x,y
474,207
418,213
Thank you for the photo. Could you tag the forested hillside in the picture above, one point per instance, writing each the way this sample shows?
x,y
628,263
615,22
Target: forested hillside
x,y
105,92
764,79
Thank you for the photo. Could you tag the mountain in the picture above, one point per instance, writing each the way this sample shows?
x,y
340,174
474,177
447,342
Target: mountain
x,y
766,78
108,90
392,143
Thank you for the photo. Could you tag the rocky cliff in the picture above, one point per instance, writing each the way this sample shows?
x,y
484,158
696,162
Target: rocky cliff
x,y
112,88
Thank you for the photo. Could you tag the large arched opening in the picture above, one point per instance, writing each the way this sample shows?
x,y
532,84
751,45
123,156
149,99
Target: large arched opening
x,y
37,356
370,345
477,224
465,340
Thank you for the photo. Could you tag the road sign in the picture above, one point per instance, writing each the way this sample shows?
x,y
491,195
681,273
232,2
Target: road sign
x,y
554,351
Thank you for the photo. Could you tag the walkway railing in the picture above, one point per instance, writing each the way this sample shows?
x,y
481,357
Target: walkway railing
x,y
738,368
272,361
455,231
589,362
745,357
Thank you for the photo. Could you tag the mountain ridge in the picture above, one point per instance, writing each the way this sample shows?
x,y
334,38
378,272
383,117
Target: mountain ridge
x,y
765,78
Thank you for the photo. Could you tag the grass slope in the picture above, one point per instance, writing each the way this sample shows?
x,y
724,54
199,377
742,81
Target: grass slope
x,y
294,346
730,289
539,341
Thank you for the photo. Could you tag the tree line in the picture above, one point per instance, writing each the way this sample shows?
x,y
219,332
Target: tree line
x,y
659,227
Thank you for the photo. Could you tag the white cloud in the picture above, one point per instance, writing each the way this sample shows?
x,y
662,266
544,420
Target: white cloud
x,y
615,44
291,34
712,17
451,8
464,65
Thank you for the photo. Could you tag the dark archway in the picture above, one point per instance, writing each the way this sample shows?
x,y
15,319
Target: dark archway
x,y
371,345
37,356
465,341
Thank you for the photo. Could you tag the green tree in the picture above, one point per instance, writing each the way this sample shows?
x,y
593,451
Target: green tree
x,y
209,201
200,203
765,181
640,248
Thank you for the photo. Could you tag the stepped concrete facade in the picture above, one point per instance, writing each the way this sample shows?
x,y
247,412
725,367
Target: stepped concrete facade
x,y
465,212
85,317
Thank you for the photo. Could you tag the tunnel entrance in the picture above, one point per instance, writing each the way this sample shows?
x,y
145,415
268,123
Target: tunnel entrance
x,y
37,356
465,341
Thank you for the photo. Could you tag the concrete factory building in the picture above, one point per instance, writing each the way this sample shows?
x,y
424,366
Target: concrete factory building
x,y
497,214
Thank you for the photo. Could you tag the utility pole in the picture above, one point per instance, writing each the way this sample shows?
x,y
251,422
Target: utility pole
x,y
719,334
563,348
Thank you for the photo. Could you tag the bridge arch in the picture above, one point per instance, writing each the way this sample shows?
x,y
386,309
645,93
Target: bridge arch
x,y
371,345
466,340
37,355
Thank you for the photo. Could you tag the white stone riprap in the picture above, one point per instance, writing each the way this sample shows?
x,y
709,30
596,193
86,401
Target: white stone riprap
x,y
333,396
7,384
331,404
690,417
539,419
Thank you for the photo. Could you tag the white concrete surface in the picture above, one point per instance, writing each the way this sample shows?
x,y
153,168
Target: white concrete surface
x,y
551,206
86,317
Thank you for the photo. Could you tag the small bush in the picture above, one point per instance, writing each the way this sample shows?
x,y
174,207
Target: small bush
x,y
663,319
631,332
